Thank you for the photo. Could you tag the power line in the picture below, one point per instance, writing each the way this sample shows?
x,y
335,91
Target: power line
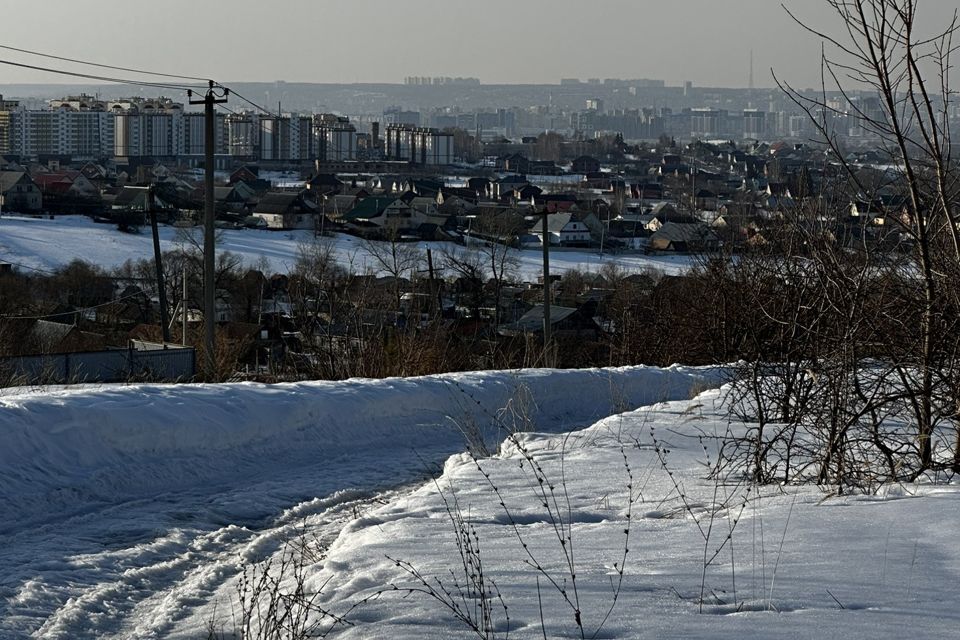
x,y
144,83
80,310
102,66
26,266
88,76
250,102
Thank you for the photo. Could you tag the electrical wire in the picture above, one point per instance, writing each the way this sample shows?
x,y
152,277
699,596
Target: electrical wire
x,y
142,83
102,66
88,76
26,266
250,102
80,310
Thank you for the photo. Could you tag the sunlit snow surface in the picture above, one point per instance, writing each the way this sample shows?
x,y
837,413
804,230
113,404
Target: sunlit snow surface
x,y
801,564
127,511
46,244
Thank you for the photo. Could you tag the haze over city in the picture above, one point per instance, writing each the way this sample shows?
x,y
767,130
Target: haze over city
x,y
498,41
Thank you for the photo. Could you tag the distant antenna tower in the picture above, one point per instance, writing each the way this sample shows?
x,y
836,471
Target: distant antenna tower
x,y
751,78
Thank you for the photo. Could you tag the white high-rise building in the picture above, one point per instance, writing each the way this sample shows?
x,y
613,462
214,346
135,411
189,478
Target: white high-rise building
x,y
62,132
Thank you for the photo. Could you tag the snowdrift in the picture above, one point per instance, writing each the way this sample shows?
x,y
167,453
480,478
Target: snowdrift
x,y
798,562
68,450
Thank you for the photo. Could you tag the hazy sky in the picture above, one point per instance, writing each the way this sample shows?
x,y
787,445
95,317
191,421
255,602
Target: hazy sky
x,y
706,41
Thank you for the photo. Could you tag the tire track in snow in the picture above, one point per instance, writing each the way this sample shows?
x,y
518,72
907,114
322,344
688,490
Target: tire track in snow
x,y
187,575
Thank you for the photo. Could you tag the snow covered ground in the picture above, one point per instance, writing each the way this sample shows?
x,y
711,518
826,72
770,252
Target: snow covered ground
x,y
127,511
797,564
45,244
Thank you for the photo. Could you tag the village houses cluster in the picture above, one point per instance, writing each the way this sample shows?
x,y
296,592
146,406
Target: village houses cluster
x,y
393,183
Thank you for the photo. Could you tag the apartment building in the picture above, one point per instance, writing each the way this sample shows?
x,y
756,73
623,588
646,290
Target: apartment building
x,y
86,128
419,146
62,132
6,109
336,139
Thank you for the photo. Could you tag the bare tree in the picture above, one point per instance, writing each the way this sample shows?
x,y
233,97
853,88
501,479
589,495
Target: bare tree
x,y
491,255
395,258
877,51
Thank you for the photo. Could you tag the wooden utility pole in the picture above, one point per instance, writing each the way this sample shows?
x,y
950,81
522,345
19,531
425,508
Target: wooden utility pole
x,y
209,214
158,263
435,295
547,350
183,307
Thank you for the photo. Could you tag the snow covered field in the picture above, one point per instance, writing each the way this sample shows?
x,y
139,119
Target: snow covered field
x,y
128,510
45,244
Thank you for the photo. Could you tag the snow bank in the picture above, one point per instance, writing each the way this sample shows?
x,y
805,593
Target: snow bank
x,y
797,564
63,450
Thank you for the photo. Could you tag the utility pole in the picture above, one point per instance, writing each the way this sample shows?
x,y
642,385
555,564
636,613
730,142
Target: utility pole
x,y
209,243
547,348
434,290
603,231
183,307
158,263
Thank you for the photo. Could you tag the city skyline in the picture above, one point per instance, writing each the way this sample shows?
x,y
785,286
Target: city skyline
x,y
538,42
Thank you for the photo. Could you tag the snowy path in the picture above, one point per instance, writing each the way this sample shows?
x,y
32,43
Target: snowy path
x,y
143,564
127,511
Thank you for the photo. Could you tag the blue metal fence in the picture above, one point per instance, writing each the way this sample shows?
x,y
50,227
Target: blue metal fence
x,y
101,366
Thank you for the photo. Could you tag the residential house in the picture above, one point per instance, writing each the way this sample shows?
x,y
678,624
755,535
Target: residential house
x,y
287,210
502,225
504,187
18,192
379,213
515,162
324,184
585,165
426,209
565,229
67,183
604,182
34,337
544,168
557,201
706,200
877,211
95,173
671,163
564,322
628,234
426,187
527,193
480,187
231,198
455,204
250,175
335,206
677,237
646,191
